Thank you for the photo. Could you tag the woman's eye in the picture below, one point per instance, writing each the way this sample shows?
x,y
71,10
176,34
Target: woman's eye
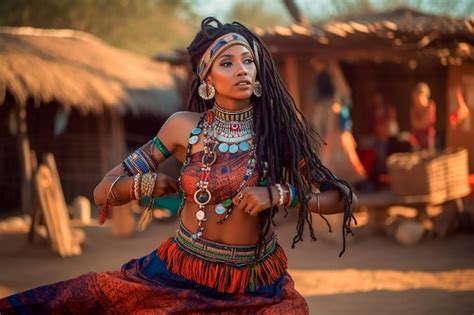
x,y
248,61
226,64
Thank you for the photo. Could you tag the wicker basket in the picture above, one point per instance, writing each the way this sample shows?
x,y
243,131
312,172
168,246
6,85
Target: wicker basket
x,y
439,176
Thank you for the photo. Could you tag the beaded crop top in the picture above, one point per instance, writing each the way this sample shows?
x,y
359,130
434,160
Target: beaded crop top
x,y
225,178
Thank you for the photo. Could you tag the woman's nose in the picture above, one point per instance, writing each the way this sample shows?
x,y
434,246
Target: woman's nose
x,y
241,69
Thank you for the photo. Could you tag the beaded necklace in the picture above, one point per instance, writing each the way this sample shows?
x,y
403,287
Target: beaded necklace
x,y
236,129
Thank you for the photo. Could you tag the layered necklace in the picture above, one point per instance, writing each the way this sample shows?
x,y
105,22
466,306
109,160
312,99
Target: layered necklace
x,y
223,131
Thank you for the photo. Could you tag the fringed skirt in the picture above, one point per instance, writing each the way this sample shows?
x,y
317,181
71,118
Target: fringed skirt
x,y
182,276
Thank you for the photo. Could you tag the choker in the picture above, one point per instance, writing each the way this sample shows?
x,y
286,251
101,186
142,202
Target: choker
x,y
225,115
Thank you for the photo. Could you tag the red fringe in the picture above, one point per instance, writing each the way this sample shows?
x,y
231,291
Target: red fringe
x,y
104,213
224,278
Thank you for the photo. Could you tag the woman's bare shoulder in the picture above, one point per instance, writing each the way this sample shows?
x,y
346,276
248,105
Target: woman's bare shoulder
x,y
185,117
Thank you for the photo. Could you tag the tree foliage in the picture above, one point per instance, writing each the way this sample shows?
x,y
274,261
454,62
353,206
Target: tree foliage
x,y
144,26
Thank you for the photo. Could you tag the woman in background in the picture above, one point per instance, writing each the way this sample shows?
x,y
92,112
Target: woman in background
x,y
423,117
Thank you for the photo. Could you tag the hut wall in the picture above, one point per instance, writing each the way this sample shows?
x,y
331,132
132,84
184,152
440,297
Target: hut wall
x,y
77,150
10,179
395,82
461,77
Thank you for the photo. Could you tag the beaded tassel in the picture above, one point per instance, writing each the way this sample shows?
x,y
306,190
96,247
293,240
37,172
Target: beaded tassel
x,y
146,216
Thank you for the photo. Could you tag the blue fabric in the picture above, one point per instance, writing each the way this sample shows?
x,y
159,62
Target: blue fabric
x,y
153,269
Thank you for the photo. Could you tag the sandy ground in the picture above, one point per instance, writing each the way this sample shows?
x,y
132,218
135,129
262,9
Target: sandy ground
x,y
374,276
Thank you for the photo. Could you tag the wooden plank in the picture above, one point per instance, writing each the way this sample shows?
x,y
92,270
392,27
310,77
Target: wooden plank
x,y
55,212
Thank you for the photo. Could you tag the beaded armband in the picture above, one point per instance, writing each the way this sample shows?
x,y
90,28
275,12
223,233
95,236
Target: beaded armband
x,y
141,161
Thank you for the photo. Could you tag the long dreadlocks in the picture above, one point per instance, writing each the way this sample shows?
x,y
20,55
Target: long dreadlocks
x,y
283,135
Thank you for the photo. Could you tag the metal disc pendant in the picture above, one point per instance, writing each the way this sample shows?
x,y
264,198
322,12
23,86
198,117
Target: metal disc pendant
x,y
196,131
202,196
200,215
193,140
244,146
223,147
220,209
233,148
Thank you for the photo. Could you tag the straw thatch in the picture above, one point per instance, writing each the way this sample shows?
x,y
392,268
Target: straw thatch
x,y
396,35
79,70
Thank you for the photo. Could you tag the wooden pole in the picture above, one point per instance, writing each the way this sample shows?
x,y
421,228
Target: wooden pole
x,y
25,158
292,78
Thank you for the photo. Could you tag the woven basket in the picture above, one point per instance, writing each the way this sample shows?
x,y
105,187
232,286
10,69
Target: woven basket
x,y
439,176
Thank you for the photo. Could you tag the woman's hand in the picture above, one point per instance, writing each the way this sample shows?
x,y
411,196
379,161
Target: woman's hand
x,y
254,199
164,185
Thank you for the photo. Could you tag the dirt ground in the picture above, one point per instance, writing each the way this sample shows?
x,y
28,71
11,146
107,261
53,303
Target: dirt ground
x,y
375,275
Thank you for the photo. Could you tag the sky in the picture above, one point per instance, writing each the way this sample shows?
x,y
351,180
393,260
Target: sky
x,y
318,9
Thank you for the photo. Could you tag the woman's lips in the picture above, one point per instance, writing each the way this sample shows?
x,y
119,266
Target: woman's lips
x,y
243,84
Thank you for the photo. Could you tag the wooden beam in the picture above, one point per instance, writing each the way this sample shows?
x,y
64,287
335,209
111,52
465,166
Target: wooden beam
x,y
25,158
292,78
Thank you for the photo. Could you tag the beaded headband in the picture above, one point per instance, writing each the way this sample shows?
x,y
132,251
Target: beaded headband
x,y
220,45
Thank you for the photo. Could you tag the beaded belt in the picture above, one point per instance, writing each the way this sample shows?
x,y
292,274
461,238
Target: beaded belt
x,y
236,255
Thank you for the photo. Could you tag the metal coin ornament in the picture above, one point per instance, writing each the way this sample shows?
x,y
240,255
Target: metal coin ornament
x,y
233,148
244,146
223,147
200,215
193,140
196,131
220,209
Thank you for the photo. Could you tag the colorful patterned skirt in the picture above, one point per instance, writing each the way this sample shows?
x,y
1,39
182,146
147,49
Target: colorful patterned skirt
x,y
180,277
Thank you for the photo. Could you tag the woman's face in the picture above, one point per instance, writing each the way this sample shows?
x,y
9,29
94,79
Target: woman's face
x,y
233,74
420,98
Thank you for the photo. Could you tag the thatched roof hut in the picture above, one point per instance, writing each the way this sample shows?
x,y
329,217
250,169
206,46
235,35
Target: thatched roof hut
x,y
78,70
69,93
386,53
399,35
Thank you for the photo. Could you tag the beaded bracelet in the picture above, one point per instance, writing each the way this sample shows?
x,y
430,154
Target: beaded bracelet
x,y
104,211
136,185
132,190
280,192
145,186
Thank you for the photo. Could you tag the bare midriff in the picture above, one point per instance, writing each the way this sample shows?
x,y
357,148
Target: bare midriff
x,y
240,228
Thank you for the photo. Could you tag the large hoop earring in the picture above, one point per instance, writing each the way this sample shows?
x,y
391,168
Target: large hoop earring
x,y
257,89
206,91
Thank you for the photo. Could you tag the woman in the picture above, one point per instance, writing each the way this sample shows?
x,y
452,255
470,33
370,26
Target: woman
x,y
423,117
244,153
335,126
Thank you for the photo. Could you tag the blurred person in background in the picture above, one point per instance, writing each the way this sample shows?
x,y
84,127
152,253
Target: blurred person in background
x,y
384,126
423,117
332,119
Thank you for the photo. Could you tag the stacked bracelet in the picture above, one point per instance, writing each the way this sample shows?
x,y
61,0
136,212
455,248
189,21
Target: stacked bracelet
x,y
104,211
280,192
136,185
148,184
293,200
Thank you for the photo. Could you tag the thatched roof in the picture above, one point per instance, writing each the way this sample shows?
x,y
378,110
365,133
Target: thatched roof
x,y
79,70
397,35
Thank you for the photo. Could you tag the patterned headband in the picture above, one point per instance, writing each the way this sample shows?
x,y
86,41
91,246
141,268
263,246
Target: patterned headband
x,y
220,45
